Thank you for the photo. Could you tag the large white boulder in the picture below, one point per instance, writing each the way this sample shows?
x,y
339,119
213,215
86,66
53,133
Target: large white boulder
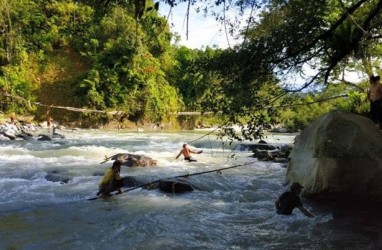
x,y
339,153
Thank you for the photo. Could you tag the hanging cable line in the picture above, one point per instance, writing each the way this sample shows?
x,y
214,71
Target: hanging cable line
x,y
204,135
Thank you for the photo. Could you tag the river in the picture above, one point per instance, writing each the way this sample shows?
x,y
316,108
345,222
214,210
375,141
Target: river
x,y
44,187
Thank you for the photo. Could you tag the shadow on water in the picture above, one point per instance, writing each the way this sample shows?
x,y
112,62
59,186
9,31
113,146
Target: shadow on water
x,y
355,222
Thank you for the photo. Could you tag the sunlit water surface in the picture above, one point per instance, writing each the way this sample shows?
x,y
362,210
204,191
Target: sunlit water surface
x,y
44,187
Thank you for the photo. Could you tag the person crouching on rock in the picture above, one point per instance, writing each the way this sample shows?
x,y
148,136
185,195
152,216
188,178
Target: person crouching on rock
x,y
186,152
111,181
289,200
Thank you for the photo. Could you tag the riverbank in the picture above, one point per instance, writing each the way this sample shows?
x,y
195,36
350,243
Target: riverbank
x,y
174,125
17,125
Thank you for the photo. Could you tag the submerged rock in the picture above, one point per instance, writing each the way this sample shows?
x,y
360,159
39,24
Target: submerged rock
x,y
338,154
129,181
56,135
173,185
255,146
55,177
10,135
42,137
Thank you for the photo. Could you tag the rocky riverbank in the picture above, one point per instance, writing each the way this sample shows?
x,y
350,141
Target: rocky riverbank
x,y
24,128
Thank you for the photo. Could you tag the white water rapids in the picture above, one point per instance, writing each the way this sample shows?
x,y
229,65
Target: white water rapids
x,y
44,187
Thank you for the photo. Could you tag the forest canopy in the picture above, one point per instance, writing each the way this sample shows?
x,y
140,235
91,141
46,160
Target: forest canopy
x,y
119,56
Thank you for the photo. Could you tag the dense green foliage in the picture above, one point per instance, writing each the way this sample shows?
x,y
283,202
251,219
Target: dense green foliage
x,y
327,38
117,56
119,61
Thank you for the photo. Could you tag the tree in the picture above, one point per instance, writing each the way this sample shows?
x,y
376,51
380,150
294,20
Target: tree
x,y
91,54
330,37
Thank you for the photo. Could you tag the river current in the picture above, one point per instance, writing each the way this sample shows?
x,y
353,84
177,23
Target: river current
x,y
45,187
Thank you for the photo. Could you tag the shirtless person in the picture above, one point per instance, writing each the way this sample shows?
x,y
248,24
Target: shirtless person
x,y
186,152
375,97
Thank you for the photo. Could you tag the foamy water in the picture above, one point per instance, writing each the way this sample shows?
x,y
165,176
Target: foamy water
x,y
44,187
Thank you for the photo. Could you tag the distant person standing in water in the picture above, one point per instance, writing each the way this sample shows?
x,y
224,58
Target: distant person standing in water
x,y
374,95
12,118
49,121
186,152
289,200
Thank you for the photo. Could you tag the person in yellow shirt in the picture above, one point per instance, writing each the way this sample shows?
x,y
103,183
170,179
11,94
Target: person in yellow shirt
x,y
111,181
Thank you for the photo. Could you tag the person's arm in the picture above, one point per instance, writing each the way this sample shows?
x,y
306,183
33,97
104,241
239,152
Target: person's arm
x,y
195,152
178,154
117,176
304,211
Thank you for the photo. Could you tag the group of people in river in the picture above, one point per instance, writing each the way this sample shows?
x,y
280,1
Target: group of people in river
x,y
112,181
285,204
290,200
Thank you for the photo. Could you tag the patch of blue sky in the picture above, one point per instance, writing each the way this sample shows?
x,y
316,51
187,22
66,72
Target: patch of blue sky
x,y
205,30
202,31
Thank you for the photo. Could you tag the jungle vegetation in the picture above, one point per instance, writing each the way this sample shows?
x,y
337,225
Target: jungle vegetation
x,y
119,58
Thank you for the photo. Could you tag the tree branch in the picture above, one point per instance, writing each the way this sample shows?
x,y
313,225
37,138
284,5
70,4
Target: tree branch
x,y
312,102
225,25
326,34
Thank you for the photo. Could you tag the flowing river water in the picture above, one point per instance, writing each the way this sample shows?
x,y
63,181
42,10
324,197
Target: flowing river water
x,y
44,187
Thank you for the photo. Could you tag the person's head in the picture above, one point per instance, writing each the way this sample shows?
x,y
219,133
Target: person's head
x,y
184,145
296,187
374,79
117,165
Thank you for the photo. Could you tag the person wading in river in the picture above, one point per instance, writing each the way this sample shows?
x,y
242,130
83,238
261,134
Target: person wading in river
x,y
111,181
186,152
289,200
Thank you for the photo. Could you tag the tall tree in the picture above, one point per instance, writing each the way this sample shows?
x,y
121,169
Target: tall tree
x,y
286,38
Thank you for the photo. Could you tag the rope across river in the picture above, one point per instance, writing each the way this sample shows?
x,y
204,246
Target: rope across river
x,y
203,135
179,176
107,158
137,187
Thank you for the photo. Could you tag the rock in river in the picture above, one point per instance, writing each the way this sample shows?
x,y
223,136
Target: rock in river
x,y
340,153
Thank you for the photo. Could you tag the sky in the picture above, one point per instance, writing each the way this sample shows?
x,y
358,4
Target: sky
x,y
206,31
202,31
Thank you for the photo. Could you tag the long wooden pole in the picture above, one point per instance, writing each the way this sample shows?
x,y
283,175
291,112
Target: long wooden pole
x,y
179,176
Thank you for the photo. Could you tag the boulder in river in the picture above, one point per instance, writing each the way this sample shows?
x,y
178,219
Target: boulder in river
x,y
133,160
340,154
263,151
